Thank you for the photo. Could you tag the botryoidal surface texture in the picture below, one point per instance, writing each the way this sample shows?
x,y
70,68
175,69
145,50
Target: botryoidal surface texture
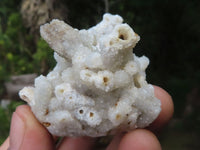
x,y
98,86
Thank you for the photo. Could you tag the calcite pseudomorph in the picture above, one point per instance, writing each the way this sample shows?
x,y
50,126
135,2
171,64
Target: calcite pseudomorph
x,y
98,86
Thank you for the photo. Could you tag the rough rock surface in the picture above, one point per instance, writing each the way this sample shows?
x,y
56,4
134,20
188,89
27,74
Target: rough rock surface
x,y
98,86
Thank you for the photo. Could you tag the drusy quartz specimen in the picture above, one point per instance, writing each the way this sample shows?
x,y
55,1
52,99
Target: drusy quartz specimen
x,y
98,86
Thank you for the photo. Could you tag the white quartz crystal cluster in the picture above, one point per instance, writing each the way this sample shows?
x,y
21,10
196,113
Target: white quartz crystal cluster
x,y
98,86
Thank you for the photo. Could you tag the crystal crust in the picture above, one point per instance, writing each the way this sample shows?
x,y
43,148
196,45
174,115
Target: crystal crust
x,y
98,86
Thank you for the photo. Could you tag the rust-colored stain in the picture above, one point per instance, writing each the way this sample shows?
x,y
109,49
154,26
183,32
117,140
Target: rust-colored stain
x,y
46,124
105,80
91,114
118,116
46,112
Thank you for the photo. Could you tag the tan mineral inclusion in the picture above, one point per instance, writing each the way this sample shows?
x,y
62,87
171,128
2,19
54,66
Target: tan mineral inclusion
x,y
98,86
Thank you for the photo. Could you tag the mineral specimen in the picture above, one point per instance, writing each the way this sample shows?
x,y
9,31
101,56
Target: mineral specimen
x,y
98,86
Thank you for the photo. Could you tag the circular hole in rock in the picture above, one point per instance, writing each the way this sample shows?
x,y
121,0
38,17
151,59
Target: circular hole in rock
x,y
81,111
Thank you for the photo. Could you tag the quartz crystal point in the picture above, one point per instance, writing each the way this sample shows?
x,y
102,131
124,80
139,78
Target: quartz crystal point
x,y
98,86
